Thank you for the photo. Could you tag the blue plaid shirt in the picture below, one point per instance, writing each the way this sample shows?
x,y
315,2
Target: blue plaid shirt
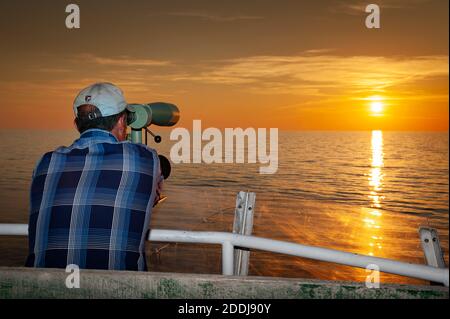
x,y
91,204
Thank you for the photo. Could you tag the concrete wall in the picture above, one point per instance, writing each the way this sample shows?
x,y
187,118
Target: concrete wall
x,y
50,283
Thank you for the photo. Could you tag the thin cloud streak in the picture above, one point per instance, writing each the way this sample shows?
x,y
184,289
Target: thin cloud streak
x,y
122,61
213,17
359,7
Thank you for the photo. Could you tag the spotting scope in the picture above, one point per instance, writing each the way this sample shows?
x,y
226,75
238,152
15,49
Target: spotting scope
x,y
141,116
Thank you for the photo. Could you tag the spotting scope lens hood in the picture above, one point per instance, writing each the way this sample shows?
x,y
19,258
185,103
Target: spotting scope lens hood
x,y
158,113
164,114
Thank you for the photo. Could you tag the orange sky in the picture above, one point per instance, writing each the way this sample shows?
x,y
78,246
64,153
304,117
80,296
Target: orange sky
x,y
297,65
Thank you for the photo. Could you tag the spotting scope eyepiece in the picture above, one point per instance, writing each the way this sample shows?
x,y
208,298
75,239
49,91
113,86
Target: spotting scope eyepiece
x,y
143,115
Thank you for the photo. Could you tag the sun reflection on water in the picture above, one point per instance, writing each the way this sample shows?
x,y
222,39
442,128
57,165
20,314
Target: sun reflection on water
x,y
373,218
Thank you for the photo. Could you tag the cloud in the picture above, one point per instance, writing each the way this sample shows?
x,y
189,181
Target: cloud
x,y
213,17
133,75
319,51
309,74
121,61
53,70
318,74
359,7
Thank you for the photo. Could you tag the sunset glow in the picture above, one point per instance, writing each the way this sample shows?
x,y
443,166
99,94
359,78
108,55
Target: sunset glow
x,y
307,79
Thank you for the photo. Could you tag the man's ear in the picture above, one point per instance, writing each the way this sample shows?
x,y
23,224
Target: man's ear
x,y
123,119
119,122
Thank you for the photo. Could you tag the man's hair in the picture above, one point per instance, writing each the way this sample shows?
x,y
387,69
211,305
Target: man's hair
x,y
89,117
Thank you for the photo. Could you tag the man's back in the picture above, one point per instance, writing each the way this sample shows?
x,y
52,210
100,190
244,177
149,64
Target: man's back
x,y
91,204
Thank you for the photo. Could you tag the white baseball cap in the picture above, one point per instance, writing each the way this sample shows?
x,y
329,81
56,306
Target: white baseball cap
x,y
107,97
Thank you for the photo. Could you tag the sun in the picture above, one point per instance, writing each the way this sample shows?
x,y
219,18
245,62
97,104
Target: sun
x,y
376,105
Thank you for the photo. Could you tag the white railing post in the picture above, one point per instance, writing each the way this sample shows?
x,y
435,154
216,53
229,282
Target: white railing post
x,y
243,225
227,258
431,245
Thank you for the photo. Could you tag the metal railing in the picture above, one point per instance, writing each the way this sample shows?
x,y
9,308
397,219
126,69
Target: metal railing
x,y
229,241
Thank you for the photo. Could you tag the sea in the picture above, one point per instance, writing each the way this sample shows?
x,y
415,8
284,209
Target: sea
x,y
365,192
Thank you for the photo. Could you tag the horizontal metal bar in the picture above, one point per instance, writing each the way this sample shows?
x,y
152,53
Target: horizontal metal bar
x,y
424,272
13,230
316,253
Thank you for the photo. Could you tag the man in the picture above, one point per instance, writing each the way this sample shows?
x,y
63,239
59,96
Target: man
x,y
91,202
